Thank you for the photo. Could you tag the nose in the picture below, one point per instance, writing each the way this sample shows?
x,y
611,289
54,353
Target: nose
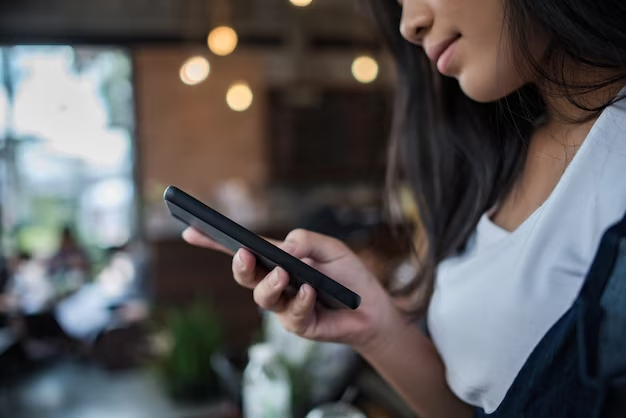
x,y
417,19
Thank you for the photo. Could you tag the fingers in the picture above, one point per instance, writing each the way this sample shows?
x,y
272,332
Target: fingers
x,y
305,244
297,313
269,293
298,316
195,237
245,270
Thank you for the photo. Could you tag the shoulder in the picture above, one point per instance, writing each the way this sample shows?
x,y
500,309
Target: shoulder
x,y
610,129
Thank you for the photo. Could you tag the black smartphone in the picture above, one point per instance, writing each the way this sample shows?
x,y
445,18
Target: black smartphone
x,y
234,236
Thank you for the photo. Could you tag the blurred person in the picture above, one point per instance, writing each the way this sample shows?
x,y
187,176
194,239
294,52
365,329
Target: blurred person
x,y
512,138
29,291
70,266
110,300
29,302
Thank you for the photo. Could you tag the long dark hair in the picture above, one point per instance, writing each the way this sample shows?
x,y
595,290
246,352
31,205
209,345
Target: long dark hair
x,y
460,157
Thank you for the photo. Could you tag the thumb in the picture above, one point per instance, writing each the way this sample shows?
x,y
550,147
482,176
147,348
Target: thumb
x,y
301,243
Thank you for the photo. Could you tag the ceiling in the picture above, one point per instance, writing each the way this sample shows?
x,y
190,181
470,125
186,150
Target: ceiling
x,y
260,23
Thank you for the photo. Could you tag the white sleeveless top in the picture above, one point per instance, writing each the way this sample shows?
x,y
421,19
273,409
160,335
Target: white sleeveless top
x,y
494,303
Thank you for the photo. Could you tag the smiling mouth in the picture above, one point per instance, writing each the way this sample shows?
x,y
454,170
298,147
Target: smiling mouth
x,y
435,53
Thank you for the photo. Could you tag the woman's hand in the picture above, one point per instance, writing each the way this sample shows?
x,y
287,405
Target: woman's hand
x,y
400,352
300,314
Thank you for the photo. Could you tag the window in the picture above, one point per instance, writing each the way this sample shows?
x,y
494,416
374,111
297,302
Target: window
x,y
66,120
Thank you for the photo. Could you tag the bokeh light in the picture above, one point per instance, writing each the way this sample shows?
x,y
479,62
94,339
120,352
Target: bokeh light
x,y
239,96
365,69
301,3
195,70
223,40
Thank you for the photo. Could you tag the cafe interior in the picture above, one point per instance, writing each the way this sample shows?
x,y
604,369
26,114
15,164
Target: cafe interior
x,y
276,113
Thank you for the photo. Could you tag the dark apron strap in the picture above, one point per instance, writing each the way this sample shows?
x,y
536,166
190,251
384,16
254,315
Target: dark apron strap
x,y
591,313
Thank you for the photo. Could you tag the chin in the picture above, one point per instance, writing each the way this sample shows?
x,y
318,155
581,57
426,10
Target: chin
x,y
483,90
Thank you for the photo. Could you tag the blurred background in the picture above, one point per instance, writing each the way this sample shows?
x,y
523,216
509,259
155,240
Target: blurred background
x,y
275,112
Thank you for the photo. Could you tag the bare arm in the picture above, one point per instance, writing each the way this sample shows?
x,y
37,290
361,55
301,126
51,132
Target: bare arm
x,y
408,360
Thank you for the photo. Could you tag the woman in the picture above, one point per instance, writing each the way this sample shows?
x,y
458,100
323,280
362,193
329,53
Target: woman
x,y
512,137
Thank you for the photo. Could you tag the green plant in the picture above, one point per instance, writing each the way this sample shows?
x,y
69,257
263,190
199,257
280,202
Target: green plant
x,y
300,381
195,334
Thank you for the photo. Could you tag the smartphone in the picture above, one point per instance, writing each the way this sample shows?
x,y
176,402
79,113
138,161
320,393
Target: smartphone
x,y
233,236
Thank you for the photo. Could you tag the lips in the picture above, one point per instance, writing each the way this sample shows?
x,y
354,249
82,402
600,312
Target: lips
x,y
435,52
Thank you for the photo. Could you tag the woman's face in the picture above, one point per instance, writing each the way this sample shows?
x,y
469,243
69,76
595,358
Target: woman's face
x,y
467,40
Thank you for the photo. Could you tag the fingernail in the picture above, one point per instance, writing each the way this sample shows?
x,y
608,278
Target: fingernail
x,y
302,292
274,278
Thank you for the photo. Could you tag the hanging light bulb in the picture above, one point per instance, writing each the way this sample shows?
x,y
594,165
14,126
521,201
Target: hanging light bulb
x,y
239,96
301,3
223,40
195,70
365,69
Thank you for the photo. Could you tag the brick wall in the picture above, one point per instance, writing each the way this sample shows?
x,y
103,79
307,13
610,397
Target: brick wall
x,y
187,135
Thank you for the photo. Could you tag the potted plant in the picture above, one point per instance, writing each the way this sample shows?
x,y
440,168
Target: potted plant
x,y
195,334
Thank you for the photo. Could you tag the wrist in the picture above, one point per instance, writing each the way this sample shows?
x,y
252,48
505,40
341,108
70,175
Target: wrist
x,y
383,329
